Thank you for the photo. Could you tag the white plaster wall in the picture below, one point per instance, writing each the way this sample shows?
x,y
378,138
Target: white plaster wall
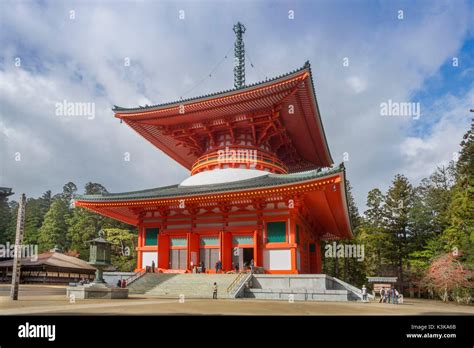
x,y
148,257
279,259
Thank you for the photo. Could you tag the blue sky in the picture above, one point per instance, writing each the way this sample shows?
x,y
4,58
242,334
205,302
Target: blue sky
x,y
82,60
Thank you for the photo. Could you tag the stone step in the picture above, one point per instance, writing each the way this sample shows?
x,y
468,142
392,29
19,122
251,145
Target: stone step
x,y
190,285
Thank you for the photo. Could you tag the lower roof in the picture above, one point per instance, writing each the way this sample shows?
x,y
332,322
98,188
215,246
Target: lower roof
x,y
324,192
52,260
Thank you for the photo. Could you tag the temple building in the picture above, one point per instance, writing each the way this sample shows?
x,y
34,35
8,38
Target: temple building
x,y
262,184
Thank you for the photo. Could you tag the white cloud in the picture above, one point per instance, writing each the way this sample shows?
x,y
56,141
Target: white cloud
x,y
65,59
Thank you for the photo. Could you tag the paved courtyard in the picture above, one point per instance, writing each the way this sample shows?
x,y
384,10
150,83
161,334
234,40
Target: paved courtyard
x,y
36,299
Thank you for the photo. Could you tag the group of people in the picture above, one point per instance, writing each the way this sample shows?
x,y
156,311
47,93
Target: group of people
x,y
122,283
201,268
389,295
236,267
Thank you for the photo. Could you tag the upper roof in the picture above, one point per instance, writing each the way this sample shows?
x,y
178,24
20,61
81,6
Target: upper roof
x,y
286,103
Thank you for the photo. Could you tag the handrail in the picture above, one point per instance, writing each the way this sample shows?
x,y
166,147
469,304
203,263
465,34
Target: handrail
x,y
229,288
243,278
134,277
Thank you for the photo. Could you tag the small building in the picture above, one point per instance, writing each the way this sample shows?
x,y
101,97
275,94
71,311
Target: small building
x,y
5,192
382,282
49,268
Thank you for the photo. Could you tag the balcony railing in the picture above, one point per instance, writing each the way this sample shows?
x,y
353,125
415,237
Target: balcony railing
x,y
235,156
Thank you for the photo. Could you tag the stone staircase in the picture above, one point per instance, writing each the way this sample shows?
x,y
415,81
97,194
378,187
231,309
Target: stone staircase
x,y
301,287
169,285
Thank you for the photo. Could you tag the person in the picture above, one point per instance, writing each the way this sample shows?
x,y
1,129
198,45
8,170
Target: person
x,y
252,265
382,295
220,266
191,266
390,295
124,283
203,269
395,296
214,291
364,293
217,266
236,267
153,266
119,283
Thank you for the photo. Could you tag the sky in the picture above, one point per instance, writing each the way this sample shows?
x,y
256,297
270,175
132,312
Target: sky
x,y
363,54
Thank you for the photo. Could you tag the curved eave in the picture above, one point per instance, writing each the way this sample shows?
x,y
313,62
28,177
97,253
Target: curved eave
x,y
118,110
307,135
325,198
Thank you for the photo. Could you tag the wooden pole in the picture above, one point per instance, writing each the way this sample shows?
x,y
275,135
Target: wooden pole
x,y
20,224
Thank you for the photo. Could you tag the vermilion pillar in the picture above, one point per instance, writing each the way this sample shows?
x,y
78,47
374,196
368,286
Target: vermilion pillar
x,y
226,250
193,248
163,251
140,244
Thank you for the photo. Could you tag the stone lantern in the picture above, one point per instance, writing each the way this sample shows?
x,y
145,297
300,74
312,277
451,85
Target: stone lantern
x,y
99,256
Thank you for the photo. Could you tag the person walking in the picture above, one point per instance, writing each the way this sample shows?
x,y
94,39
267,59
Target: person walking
x,y
382,295
214,291
364,293
395,296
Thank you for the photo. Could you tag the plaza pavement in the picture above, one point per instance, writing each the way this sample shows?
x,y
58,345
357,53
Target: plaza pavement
x,y
47,300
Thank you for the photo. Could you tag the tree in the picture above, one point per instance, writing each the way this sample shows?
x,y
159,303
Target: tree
x,y
123,248
6,216
53,232
69,192
396,208
461,209
36,209
447,276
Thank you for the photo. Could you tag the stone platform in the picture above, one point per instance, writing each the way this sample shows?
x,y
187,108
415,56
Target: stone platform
x,y
95,291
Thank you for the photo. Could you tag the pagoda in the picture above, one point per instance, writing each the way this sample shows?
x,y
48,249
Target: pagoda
x,y
262,184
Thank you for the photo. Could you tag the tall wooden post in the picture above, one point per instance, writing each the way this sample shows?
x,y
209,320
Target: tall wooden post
x,y
20,224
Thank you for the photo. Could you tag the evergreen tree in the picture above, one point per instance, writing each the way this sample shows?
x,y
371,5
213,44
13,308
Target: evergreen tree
x,y
460,231
53,232
6,216
397,205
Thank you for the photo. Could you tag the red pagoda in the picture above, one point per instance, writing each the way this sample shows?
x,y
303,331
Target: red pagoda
x,y
261,187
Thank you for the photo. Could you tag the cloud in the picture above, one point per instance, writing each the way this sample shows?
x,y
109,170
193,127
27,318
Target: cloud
x,y
84,60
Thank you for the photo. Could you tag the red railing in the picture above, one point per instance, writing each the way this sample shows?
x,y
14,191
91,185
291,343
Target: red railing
x,y
252,157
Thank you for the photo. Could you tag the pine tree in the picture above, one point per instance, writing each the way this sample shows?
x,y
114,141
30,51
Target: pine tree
x,y
397,205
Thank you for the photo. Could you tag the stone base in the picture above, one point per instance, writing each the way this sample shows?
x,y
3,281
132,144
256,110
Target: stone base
x,y
96,291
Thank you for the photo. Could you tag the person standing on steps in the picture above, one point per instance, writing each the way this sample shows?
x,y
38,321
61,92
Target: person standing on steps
x,y
214,291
